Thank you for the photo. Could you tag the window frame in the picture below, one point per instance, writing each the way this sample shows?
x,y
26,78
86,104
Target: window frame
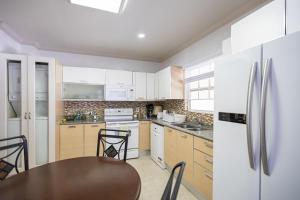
x,y
200,76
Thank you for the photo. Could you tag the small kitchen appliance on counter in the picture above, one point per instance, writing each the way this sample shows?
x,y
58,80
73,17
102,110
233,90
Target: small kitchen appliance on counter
x,y
149,110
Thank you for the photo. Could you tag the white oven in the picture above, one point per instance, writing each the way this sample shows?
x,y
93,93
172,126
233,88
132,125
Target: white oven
x,y
133,139
122,119
119,93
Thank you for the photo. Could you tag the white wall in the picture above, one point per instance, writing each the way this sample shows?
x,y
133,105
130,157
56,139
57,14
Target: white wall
x,y
211,45
204,49
9,45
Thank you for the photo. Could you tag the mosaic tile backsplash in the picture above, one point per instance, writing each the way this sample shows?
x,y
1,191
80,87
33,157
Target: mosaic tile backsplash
x,y
72,107
178,106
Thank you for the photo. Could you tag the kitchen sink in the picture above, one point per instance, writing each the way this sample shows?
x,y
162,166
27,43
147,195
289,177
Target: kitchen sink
x,y
195,129
191,127
184,125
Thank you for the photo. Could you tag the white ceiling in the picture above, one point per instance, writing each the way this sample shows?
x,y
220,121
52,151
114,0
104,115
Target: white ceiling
x,y
169,25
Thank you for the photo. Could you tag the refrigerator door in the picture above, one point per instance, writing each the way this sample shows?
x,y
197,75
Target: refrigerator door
x,y
282,120
233,178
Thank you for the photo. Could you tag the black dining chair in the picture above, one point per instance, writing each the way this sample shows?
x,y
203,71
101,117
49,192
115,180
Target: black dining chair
x,y
115,142
170,194
12,146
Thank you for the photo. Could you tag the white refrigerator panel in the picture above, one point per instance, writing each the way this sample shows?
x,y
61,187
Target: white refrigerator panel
x,y
234,179
282,120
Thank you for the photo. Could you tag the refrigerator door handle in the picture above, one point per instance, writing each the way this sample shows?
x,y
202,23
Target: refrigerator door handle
x,y
263,144
248,114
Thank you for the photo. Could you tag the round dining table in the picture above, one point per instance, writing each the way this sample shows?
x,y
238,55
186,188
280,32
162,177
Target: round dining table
x,y
84,178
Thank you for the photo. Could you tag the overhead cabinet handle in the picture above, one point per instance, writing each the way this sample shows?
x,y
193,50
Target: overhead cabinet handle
x,y
263,144
249,114
25,115
29,115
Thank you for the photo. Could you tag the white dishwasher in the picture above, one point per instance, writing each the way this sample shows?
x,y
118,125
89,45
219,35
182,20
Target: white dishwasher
x,y
157,144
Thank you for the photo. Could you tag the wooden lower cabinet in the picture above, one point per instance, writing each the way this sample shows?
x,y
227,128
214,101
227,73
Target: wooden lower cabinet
x,y
203,159
71,141
185,153
90,139
78,140
144,135
170,147
203,180
203,145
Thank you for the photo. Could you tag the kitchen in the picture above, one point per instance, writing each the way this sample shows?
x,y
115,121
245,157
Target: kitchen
x,y
221,104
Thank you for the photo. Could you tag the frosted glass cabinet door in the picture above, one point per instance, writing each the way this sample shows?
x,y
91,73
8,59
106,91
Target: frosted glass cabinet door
x,y
41,93
13,97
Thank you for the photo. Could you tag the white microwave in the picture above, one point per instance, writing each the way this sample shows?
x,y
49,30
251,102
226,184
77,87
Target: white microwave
x,y
119,93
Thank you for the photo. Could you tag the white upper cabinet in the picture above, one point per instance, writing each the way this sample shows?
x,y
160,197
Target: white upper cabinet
x,y
83,75
264,25
292,16
164,82
118,77
96,76
150,86
140,85
170,82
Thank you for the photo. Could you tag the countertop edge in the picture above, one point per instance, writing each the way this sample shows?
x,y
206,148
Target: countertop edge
x,y
205,134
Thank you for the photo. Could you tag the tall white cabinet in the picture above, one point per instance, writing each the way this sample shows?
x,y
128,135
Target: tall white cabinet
x,y
28,103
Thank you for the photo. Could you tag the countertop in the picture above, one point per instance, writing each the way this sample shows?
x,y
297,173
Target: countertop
x,y
205,134
98,121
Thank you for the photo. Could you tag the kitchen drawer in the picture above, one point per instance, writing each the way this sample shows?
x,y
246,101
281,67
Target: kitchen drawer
x,y
203,159
203,145
203,181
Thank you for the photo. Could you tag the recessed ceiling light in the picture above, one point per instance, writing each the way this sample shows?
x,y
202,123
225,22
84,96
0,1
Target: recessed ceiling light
x,y
141,35
114,6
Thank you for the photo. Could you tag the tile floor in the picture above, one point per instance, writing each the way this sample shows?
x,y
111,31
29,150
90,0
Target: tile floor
x,y
154,180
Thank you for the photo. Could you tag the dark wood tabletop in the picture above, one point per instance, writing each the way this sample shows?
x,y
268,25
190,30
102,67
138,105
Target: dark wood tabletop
x,y
85,178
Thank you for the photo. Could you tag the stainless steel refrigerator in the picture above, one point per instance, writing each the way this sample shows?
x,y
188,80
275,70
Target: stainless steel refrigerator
x,y
257,123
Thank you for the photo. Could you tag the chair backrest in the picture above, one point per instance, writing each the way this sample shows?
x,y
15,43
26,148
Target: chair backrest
x,y
12,146
170,194
116,143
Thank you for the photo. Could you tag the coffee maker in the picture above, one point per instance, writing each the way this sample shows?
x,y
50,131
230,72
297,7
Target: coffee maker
x,y
149,110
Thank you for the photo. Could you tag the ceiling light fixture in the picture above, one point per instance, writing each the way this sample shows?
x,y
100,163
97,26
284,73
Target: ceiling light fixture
x,y
141,35
114,6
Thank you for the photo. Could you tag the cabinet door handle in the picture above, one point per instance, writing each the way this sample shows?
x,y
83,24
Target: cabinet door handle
x,y
29,115
71,126
184,136
25,115
208,145
208,175
94,126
